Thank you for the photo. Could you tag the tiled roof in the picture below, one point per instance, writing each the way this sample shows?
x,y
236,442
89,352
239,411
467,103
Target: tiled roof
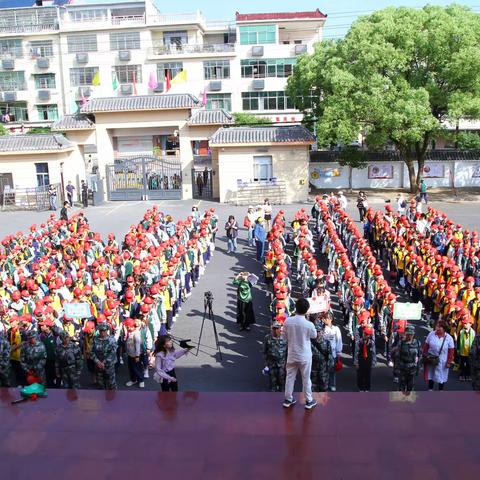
x,y
140,102
210,117
73,122
255,135
34,143
251,17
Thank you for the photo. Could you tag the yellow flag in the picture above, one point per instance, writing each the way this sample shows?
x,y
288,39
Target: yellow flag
x,y
96,79
180,77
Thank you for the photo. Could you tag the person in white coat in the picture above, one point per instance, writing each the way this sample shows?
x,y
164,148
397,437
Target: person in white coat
x,y
333,335
438,354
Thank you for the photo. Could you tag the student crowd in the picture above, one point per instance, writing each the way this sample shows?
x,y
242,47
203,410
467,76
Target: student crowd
x,y
133,292
431,259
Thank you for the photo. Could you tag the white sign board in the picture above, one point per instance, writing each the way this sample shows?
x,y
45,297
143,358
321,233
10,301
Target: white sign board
x,y
407,311
77,310
319,304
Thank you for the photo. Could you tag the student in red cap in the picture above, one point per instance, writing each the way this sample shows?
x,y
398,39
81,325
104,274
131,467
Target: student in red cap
x,y
365,359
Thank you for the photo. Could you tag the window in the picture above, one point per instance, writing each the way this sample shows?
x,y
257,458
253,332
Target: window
x,y
219,100
91,15
12,81
15,112
268,67
266,101
11,47
82,43
43,179
47,112
125,41
128,73
45,80
257,34
41,48
216,69
262,167
82,76
175,38
172,67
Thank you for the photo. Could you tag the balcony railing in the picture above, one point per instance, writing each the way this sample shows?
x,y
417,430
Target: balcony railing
x,y
28,28
13,86
176,18
128,20
189,48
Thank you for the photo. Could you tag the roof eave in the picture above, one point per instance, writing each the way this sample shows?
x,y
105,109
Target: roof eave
x,y
262,144
72,129
36,152
137,110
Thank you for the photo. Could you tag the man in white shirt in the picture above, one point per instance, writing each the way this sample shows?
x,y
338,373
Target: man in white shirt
x,y
299,332
342,200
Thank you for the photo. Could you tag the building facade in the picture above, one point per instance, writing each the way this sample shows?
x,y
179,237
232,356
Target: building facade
x,y
58,56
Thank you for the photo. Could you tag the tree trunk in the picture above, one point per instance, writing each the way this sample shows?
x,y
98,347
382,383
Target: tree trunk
x,y
350,172
420,164
411,174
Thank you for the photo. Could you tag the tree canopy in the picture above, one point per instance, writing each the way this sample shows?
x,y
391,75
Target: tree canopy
x,y
242,118
397,77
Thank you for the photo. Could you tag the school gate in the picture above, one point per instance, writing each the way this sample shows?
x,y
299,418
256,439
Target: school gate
x,y
144,178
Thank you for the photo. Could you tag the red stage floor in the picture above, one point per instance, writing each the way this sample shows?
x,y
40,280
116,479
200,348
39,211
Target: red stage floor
x,y
143,435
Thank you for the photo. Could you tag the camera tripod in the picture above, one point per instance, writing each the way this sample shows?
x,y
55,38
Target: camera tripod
x,y
208,311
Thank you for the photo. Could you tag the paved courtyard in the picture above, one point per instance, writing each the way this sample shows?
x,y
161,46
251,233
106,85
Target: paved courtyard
x,y
241,364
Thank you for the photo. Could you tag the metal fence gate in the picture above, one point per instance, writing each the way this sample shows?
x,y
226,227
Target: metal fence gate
x,y
202,183
145,178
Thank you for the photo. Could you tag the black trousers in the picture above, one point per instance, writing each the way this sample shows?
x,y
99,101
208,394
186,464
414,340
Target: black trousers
x,y
135,369
50,374
20,378
431,384
464,366
364,377
406,381
362,211
170,386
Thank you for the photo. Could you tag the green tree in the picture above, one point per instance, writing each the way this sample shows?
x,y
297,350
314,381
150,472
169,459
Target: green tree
x,y
397,77
36,130
3,131
249,119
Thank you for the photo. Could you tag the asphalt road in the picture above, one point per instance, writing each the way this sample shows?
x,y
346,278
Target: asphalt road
x,y
241,363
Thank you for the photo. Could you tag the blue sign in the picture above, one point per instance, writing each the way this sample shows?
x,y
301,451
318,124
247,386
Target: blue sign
x,y
77,310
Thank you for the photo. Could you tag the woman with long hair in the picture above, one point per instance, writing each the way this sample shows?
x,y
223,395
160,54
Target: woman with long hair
x,y
165,357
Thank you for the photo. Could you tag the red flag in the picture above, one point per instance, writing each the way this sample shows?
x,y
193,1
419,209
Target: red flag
x,y
167,81
134,84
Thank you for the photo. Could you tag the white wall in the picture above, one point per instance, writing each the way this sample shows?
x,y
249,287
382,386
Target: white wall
x,y
462,171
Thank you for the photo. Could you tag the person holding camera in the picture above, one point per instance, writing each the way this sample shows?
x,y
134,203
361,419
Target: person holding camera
x,y
231,229
165,358
245,314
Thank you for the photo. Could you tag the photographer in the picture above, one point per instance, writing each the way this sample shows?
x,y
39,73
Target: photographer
x,y
245,315
165,358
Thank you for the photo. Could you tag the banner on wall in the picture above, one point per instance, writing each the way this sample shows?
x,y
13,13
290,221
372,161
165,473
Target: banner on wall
x,y
476,171
434,170
319,174
380,171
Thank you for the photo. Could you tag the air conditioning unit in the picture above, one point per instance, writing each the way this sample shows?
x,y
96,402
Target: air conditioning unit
x,y
10,96
84,92
82,58
126,89
299,49
159,88
124,55
44,95
215,86
258,84
257,51
43,62
8,64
